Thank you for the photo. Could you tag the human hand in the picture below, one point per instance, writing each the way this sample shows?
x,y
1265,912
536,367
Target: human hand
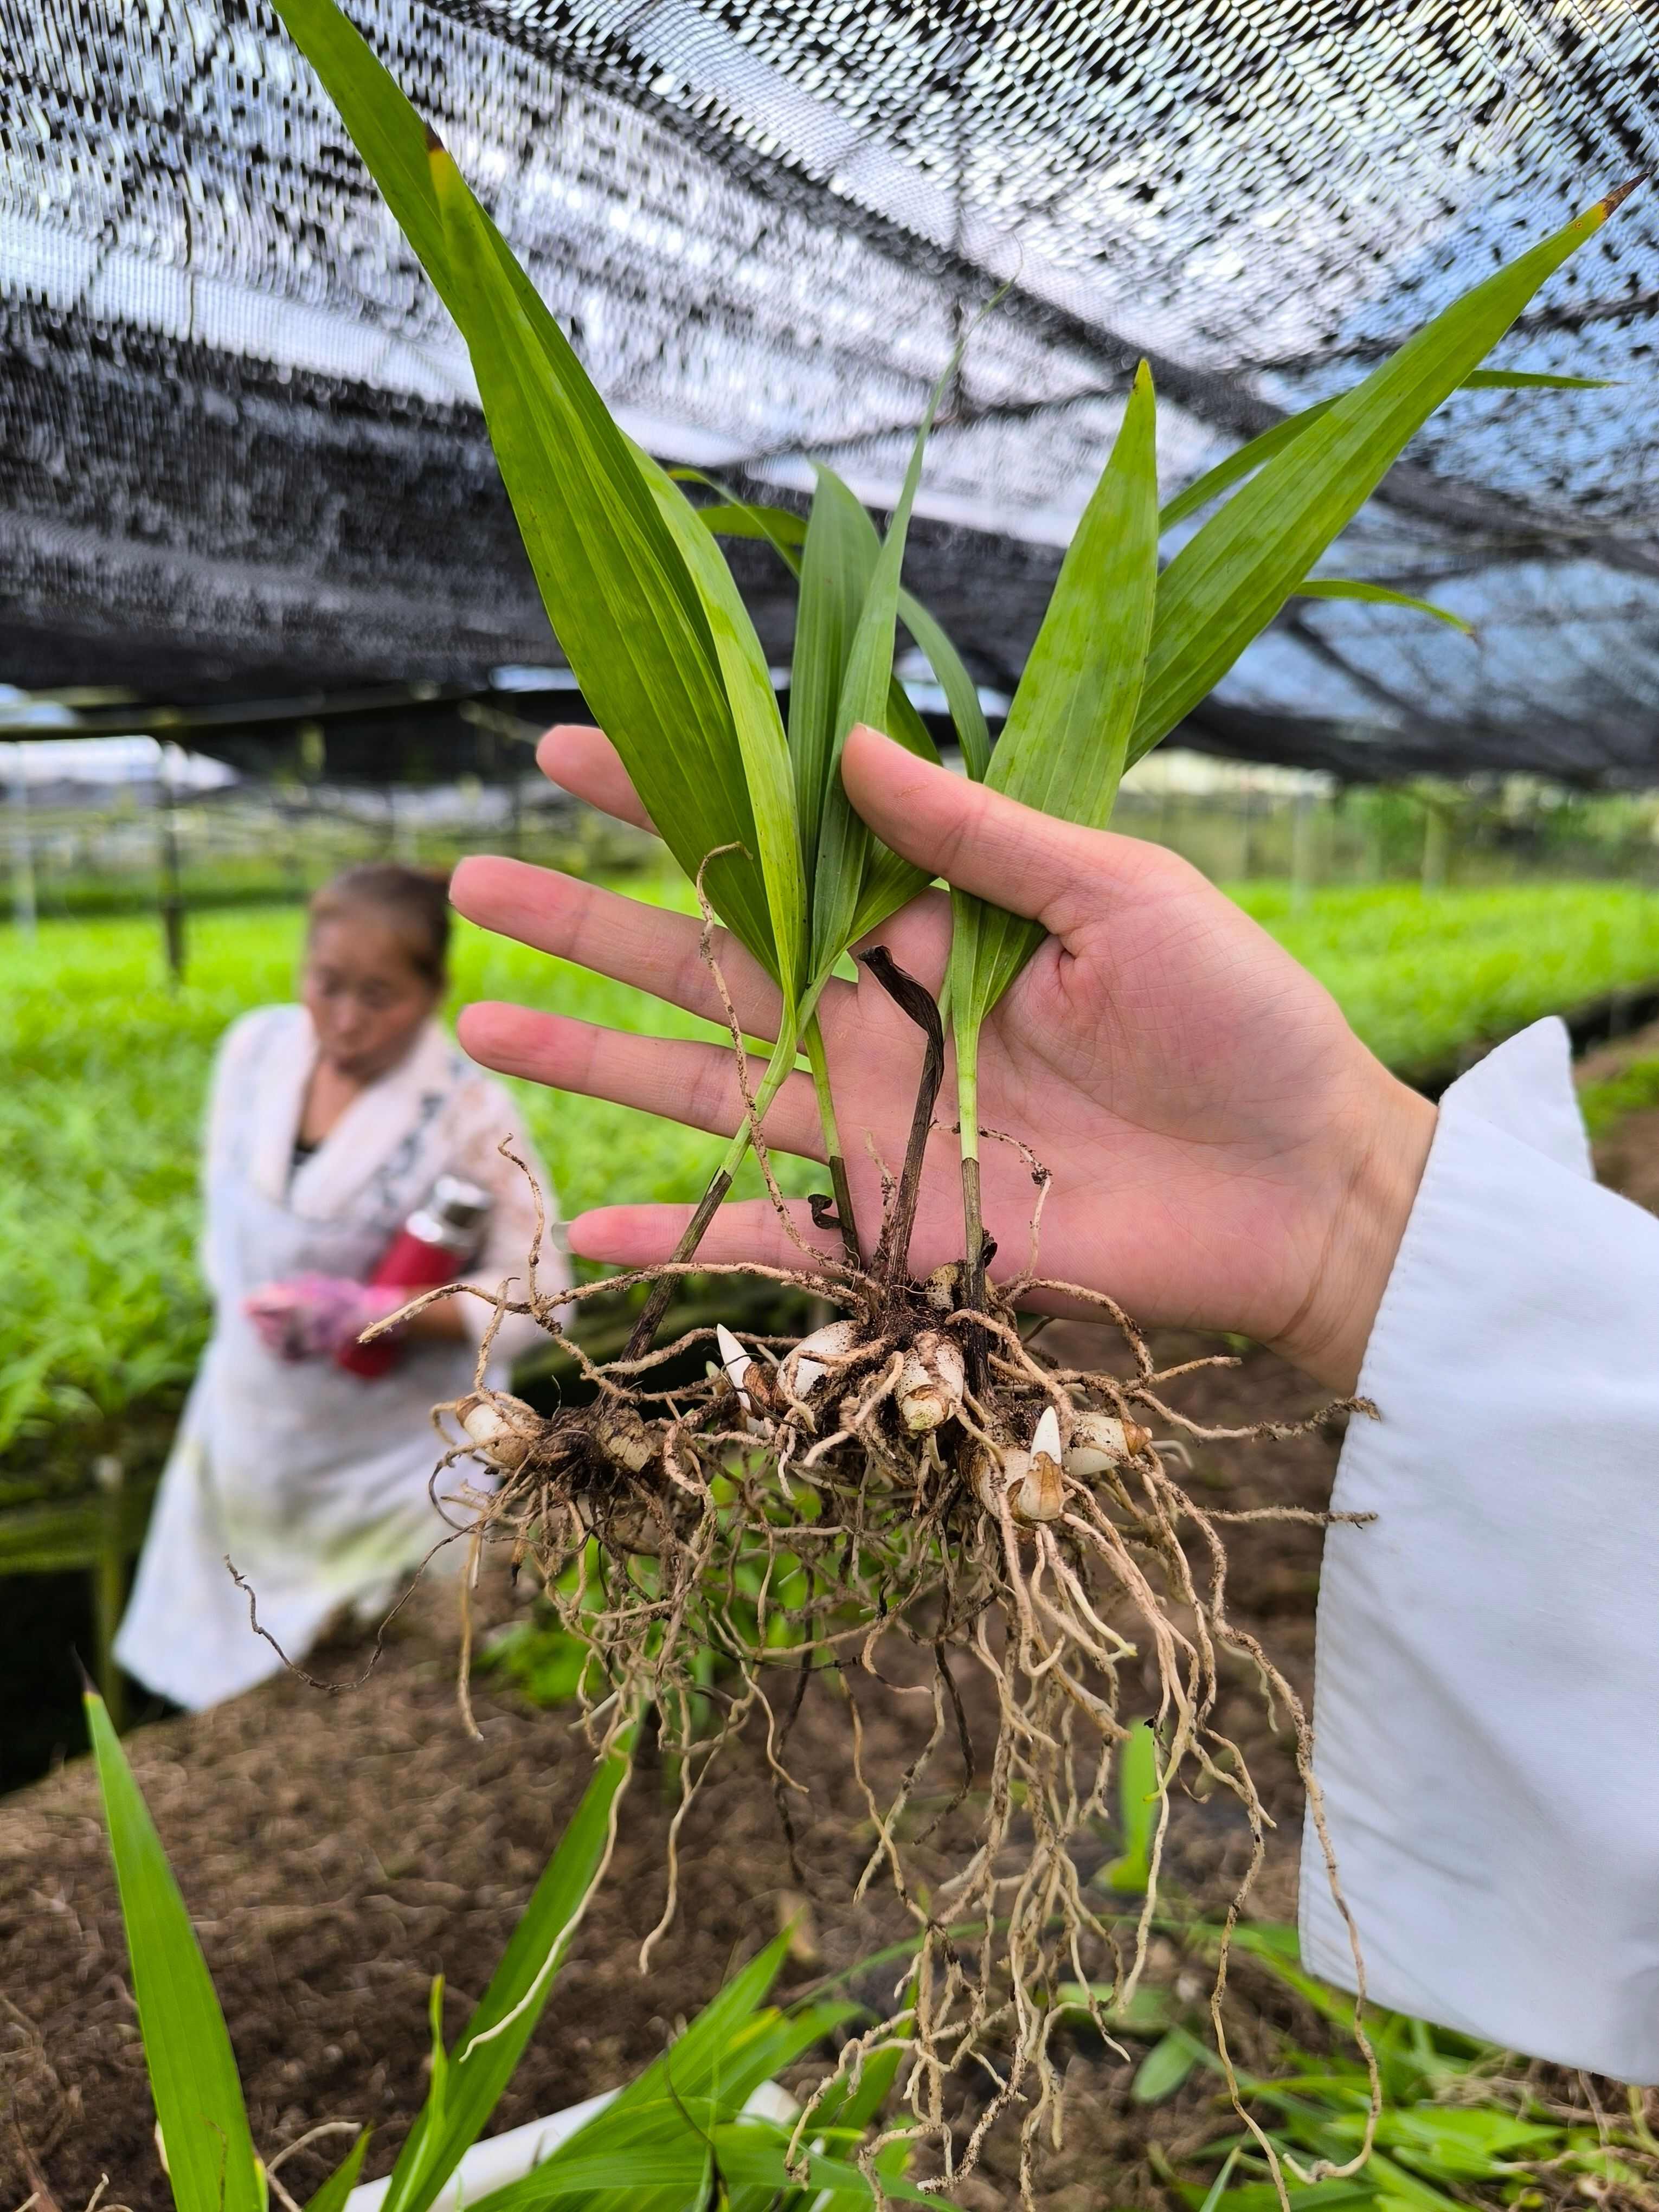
x,y
1225,1153
315,1316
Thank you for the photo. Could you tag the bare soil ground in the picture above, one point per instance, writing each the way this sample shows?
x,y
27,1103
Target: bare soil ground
x,y
338,1851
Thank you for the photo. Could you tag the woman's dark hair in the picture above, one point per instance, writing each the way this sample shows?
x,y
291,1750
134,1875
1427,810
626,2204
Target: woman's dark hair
x,y
415,904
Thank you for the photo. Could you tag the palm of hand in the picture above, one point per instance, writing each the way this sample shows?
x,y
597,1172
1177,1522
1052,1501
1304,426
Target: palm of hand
x,y
1224,1151
1178,1074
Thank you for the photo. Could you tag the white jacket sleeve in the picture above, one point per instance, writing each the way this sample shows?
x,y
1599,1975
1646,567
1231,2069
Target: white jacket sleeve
x,y
1486,1714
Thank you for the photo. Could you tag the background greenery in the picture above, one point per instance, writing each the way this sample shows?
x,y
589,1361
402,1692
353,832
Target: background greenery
x,y
103,1071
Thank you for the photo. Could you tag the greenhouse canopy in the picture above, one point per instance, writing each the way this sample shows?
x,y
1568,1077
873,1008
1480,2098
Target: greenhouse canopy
x,y
240,453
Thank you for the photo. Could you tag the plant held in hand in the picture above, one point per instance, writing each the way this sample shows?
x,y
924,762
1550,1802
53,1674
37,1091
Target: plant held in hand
x,y
916,1471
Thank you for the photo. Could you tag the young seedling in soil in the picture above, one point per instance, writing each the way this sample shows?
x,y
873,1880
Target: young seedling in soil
x,y
916,1472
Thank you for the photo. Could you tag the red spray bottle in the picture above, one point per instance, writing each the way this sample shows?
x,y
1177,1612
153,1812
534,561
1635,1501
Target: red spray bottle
x,y
433,1247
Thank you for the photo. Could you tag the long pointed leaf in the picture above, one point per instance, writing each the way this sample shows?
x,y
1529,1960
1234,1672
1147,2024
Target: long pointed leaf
x,y
787,534
838,560
1227,583
844,559
775,526
856,885
624,602
1240,463
1064,744
332,2195
647,2151
960,692
1251,455
618,588
837,572
467,2089
1356,588
193,2069
755,717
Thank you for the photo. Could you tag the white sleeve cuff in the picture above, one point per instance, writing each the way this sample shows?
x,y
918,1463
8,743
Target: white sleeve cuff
x,y
1487,1666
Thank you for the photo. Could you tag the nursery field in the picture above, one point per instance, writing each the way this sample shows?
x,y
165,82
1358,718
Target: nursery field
x,y
103,1071
432,1843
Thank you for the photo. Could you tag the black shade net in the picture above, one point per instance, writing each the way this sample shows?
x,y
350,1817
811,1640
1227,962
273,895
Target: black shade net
x,y
240,455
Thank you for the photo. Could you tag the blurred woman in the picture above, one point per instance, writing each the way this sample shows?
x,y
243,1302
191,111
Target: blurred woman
x,y
331,1123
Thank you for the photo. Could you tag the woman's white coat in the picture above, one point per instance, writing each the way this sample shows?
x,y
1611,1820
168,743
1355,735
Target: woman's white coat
x,y
316,1484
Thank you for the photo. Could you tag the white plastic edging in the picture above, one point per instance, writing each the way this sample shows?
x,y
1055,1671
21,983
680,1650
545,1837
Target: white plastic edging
x,y
500,2159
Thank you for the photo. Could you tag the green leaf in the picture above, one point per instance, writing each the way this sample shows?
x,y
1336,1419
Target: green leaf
x,y
1166,2066
857,884
1148,2012
1062,748
649,2150
837,563
1527,379
1355,587
839,572
821,664
668,2170
332,2197
466,2088
1240,463
1218,2188
192,2069
786,533
652,654
751,2153
775,526
960,692
761,739
1139,1799
1230,579
1251,456
632,584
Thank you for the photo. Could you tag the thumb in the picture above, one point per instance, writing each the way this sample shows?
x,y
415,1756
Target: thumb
x,y
1024,861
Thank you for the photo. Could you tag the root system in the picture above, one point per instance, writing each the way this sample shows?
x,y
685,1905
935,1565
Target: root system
x,y
917,1474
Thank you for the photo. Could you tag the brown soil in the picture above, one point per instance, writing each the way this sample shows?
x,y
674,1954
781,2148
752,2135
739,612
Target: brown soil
x,y
1627,1157
337,1852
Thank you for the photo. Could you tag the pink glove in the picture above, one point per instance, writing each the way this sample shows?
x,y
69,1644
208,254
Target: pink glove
x,y
314,1316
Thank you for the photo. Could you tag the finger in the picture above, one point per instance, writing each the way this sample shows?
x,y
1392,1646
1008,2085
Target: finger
x,y
746,1235
583,762
647,946
696,1083
1027,862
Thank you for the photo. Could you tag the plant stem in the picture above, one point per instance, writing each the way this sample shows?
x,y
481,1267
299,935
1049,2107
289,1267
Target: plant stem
x,y
651,1313
973,1225
892,1259
835,1157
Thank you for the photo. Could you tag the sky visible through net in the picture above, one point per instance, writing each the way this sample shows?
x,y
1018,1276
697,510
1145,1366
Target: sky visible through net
x,y
237,441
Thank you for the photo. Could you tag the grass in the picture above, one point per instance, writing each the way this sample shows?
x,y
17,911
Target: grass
x,y
103,1073
1419,974
1634,1090
103,1078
